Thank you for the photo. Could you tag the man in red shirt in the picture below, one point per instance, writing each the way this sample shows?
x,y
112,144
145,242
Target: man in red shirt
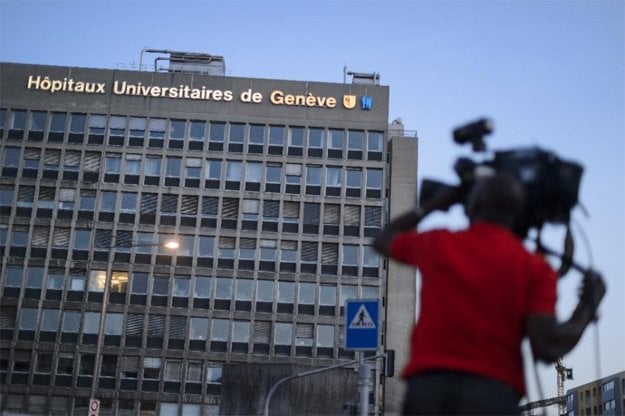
x,y
482,293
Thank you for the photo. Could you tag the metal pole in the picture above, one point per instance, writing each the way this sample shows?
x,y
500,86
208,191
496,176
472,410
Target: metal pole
x,y
364,373
105,295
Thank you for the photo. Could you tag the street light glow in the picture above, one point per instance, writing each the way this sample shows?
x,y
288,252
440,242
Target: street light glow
x,y
172,244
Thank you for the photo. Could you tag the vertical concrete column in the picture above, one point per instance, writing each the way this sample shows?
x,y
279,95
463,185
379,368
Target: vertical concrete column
x,y
401,279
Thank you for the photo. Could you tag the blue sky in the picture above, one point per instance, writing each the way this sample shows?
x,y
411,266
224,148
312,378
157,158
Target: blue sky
x,y
549,73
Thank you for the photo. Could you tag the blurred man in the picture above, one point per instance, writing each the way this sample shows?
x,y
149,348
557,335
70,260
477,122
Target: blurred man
x,y
482,293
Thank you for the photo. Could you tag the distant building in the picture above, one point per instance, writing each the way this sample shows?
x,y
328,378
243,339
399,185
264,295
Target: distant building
x,y
273,190
600,397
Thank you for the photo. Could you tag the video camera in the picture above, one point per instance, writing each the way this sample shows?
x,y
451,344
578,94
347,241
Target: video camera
x,y
551,184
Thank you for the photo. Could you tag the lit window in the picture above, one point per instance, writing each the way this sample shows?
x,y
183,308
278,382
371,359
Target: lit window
x,y
119,281
97,280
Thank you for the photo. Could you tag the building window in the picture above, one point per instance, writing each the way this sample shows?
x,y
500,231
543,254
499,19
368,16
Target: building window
x,y
236,137
315,142
219,334
327,300
306,298
276,140
296,139
152,170
290,217
96,128
325,336
56,131
273,178
256,139
136,135
157,128
336,139
283,334
176,134
331,218
77,128
293,178
240,336
351,259
197,132
353,182
193,172
371,262
216,135
253,175
334,181
375,145
355,143
117,130
374,183
233,175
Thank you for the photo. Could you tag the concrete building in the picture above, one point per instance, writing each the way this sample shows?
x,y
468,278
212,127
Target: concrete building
x,y
273,190
605,397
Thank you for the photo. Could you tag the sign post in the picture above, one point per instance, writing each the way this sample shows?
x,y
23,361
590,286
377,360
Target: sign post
x,y
94,407
362,333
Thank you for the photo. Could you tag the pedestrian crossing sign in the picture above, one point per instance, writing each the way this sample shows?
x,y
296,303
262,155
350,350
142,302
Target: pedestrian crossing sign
x,y
362,324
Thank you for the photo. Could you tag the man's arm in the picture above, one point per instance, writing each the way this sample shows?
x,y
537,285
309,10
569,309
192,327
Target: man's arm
x,y
441,200
550,339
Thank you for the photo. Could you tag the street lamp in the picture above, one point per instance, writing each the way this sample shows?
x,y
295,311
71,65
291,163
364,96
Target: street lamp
x,y
107,281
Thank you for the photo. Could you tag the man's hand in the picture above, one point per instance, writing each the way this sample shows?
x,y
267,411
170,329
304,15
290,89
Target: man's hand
x,y
550,339
592,291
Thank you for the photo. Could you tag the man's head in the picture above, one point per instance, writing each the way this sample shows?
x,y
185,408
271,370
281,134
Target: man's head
x,y
499,199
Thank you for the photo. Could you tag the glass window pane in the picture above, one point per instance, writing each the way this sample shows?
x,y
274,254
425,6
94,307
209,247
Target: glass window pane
x,y
202,287
219,330
233,171
240,331
28,319
286,292
114,324
325,336
283,334
223,288
264,291
307,293
50,320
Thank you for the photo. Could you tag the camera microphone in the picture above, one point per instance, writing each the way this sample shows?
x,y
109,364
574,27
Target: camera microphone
x,y
474,133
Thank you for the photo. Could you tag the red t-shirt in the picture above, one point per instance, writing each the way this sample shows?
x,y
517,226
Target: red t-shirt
x,y
478,285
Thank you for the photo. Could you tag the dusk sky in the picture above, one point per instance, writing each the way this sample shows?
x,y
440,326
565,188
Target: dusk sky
x,y
548,73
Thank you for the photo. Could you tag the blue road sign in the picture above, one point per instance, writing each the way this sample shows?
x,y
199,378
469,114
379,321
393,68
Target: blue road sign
x,y
362,324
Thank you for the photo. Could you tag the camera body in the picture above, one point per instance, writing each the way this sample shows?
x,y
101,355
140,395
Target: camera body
x,y
551,183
